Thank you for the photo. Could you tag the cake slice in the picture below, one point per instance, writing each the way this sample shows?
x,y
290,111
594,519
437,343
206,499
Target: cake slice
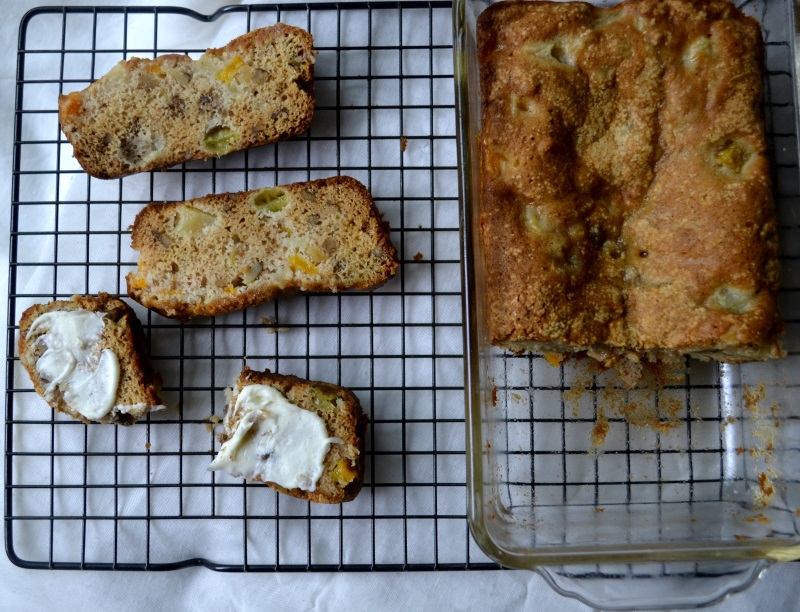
x,y
151,114
225,252
86,356
302,438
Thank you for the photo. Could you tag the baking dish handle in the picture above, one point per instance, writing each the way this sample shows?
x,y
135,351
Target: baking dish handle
x,y
654,585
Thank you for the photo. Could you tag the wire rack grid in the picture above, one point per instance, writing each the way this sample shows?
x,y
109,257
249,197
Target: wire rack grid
x,y
103,497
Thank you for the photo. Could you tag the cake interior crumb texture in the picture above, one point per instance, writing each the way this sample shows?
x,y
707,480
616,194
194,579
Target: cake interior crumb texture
x,y
626,207
226,252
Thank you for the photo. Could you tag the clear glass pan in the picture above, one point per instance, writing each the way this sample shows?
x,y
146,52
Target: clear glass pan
x,y
660,497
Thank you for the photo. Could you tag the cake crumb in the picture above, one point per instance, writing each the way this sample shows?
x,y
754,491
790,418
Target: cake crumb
x,y
600,429
403,144
647,415
762,429
554,359
494,396
599,510
212,422
752,396
147,445
757,517
739,537
767,490
271,329
418,256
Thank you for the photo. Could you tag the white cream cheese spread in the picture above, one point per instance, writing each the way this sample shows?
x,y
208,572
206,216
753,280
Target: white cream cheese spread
x,y
140,408
72,362
275,441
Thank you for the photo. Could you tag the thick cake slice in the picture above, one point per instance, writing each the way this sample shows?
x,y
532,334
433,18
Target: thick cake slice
x,y
151,114
302,438
87,358
626,209
225,252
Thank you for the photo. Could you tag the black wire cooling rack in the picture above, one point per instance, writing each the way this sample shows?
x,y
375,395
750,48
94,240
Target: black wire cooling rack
x,y
105,497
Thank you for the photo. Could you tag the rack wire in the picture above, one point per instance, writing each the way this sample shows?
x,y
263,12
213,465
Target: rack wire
x,y
141,498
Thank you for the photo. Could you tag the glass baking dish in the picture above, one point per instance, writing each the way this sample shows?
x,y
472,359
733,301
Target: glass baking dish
x,y
671,496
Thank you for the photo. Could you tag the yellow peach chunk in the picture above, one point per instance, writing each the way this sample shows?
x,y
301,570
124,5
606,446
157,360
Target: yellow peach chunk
x,y
554,359
226,74
297,262
343,473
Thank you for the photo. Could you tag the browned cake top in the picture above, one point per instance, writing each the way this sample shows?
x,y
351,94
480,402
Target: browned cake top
x,y
626,198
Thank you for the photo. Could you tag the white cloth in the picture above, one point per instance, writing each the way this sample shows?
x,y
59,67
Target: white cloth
x,y
199,588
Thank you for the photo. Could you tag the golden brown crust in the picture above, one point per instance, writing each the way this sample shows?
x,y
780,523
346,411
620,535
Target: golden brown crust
x,y
626,205
327,237
139,382
151,114
344,419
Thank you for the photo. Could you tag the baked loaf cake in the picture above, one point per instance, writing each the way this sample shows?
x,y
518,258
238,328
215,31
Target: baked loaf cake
x,y
151,114
260,440
626,209
226,252
86,356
